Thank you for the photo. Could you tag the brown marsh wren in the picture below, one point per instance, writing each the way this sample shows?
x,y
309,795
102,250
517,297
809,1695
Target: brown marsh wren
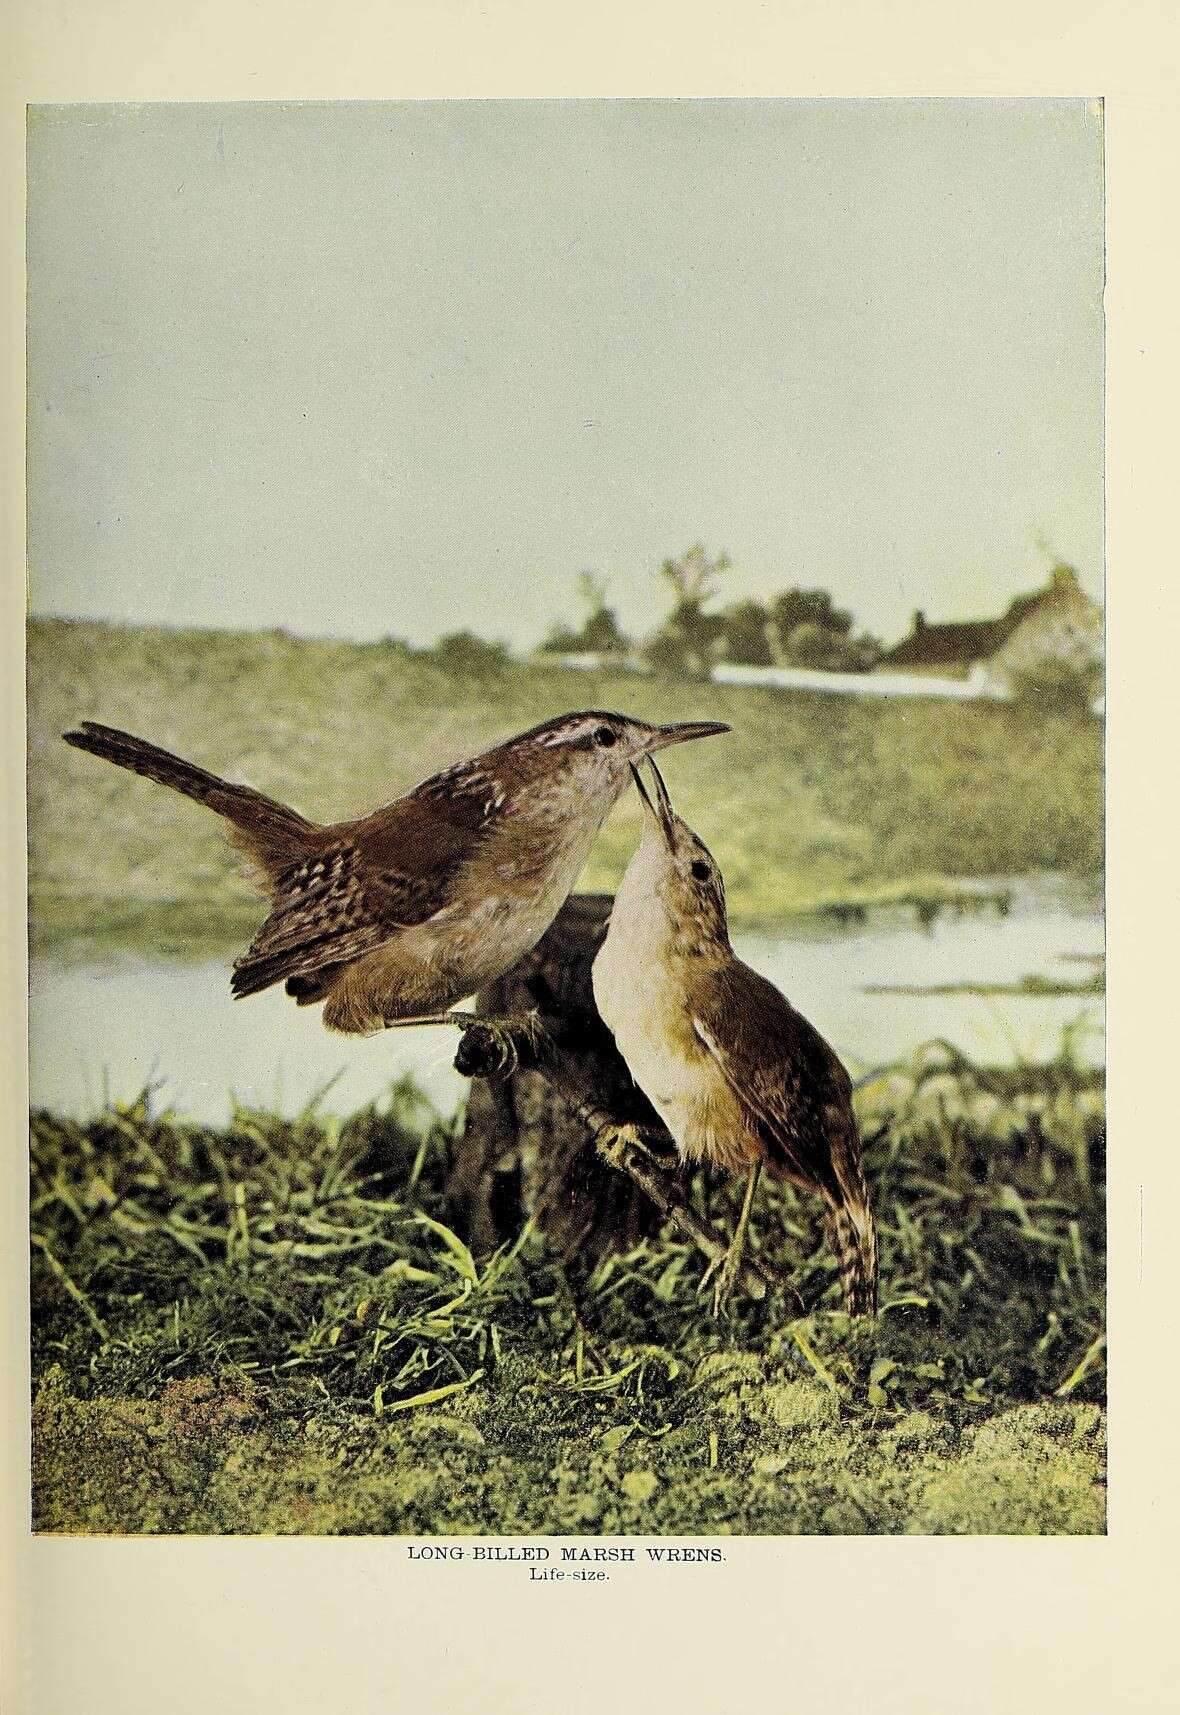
x,y
740,1078
395,917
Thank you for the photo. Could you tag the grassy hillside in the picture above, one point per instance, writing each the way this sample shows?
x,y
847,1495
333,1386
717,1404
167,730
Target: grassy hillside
x,y
811,799
272,1327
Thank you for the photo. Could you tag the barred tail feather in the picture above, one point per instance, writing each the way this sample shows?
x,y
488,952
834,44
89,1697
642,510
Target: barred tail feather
x,y
852,1233
265,829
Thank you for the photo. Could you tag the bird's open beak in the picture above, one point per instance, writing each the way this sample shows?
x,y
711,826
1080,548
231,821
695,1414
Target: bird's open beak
x,y
661,810
665,735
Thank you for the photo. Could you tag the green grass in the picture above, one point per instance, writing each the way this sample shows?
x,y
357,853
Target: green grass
x,y
275,1327
810,802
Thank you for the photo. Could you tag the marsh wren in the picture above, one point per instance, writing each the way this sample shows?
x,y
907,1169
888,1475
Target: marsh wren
x,y
393,918
741,1080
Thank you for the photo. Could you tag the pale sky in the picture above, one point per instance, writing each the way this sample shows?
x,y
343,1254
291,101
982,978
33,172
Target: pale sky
x,y
406,368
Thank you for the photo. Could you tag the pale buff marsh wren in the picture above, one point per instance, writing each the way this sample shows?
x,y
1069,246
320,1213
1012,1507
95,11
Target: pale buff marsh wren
x,y
393,918
741,1080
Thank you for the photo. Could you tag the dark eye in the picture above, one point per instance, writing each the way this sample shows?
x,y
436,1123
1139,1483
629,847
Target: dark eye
x,y
604,737
699,870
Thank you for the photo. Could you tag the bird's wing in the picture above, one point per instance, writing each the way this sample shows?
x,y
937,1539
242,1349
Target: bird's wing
x,y
371,879
432,830
329,910
787,1078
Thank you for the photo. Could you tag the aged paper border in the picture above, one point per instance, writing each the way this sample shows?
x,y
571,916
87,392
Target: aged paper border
x,y
908,1625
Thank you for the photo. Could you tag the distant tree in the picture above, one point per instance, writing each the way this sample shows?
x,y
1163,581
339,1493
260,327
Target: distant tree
x,y
560,640
603,635
690,639
808,630
746,633
864,651
809,607
808,645
693,576
798,627
592,590
600,632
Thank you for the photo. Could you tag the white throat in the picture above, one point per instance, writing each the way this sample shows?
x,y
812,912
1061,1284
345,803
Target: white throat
x,y
638,919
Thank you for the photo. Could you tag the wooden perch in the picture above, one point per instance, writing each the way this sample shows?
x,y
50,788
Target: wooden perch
x,y
554,1123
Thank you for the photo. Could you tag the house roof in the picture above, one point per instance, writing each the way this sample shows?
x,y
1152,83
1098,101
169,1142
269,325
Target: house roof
x,y
950,645
962,642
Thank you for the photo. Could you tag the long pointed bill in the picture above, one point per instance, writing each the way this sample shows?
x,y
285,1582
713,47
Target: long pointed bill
x,y
661,810
666,735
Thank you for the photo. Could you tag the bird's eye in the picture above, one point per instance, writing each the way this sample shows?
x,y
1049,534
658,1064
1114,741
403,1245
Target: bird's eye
x,y
699,870
604,737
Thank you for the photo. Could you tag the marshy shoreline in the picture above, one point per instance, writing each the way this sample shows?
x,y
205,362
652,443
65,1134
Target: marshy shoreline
x,y
269,1321
273,1327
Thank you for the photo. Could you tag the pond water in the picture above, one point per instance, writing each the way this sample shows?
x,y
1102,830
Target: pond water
x,y
103,1033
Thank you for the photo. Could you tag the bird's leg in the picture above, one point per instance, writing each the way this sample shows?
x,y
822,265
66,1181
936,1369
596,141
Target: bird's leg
x,y
731,1262
622,1147
502,1033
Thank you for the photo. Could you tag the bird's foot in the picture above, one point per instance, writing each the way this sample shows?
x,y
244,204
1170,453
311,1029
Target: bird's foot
x,y
728,1271
724,1271
623,1144
493,1045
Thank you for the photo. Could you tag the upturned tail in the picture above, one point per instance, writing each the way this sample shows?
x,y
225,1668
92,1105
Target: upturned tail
x,y
852,1233
267,831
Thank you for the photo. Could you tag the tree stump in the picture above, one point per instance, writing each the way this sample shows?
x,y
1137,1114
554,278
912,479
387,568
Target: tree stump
x,y
538,1113
525,1150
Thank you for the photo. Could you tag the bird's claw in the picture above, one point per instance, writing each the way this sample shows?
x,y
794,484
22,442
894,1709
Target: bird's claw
x,y
618,1144
727,1279
498,1053
724,1271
